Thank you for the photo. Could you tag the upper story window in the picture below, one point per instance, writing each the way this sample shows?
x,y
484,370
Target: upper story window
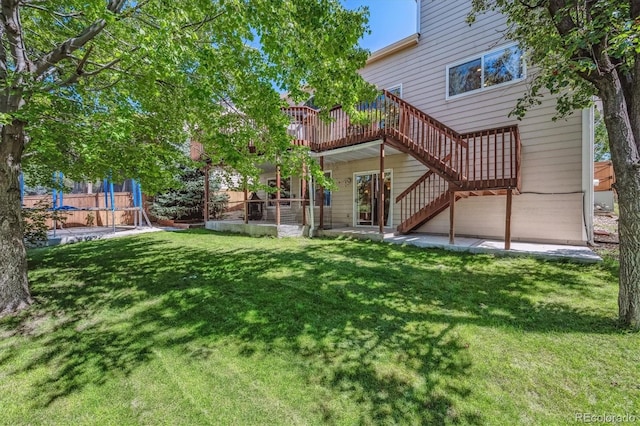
x,y
396,90
379,101
500,66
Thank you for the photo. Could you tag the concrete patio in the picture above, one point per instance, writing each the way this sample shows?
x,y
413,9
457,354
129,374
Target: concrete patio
x,y
463,244
89,233
472,245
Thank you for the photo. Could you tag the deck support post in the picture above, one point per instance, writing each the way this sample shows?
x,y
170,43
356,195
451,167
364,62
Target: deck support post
x,y
321,196
277,195
452,212
246,202
303,190
207,169
381,190
507,229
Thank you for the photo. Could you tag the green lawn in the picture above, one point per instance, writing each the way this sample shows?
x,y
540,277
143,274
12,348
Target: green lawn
x,y
202,328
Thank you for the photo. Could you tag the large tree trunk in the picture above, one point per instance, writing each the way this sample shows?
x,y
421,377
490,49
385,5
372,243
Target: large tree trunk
x,y
14,287
626,163
628,184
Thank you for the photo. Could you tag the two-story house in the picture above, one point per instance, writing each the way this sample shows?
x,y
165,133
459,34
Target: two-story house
x,y
439,153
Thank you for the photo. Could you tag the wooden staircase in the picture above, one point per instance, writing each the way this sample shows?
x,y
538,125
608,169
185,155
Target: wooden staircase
x,y
485,162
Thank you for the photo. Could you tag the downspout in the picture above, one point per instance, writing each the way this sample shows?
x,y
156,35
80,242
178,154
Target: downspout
x,y
312,193
419,7
587,170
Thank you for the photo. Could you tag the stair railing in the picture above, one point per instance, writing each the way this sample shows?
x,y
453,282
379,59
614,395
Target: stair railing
x,y
485,159
429,190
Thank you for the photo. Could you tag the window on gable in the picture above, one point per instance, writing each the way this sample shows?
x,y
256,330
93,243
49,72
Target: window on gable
x,y
491,69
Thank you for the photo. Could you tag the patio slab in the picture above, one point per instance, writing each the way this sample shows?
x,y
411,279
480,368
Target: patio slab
x,y
474,245
79,234
257,228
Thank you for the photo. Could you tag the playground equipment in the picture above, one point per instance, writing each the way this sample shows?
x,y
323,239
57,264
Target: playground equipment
x,y
91,202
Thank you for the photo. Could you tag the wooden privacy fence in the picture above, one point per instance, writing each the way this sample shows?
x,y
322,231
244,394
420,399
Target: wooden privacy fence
x,y
89,205
603,173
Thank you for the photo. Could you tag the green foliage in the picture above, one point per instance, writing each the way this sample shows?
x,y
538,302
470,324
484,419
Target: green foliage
x,y
35,223
580,49
601,139
35,219
218,202
187,200
124,100
565,63
202,328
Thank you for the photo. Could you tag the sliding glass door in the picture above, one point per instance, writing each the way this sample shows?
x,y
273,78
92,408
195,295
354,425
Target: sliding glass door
x,y
367,198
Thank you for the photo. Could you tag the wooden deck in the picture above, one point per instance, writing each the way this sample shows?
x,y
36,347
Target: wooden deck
x,y
484,162
485,159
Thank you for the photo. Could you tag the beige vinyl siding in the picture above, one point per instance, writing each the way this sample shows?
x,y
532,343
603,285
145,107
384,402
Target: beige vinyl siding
x,y
404,170
551,151
540,218
534,218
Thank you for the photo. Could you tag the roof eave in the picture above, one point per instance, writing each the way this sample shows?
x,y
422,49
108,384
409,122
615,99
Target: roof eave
x,y
396,47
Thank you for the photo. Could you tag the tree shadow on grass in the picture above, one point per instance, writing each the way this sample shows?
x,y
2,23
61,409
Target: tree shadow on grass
x,y
370,321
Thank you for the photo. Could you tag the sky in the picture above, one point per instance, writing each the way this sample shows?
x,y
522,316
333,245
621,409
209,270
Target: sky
x,y
389,21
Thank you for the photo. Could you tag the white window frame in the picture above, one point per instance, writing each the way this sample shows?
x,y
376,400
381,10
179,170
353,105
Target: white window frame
x,y
354,212
482,88
395,86
270,194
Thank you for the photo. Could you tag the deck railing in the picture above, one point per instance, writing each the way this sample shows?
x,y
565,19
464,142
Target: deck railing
x,y
488,159
493,158
475,160
304,125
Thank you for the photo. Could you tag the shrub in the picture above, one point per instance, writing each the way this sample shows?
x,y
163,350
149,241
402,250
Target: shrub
x,y
218,202
34,221
187,201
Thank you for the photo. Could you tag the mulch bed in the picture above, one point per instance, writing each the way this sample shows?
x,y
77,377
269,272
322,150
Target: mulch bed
x,y
605,230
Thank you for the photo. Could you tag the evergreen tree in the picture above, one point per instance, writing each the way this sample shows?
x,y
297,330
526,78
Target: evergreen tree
x,y
187,201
